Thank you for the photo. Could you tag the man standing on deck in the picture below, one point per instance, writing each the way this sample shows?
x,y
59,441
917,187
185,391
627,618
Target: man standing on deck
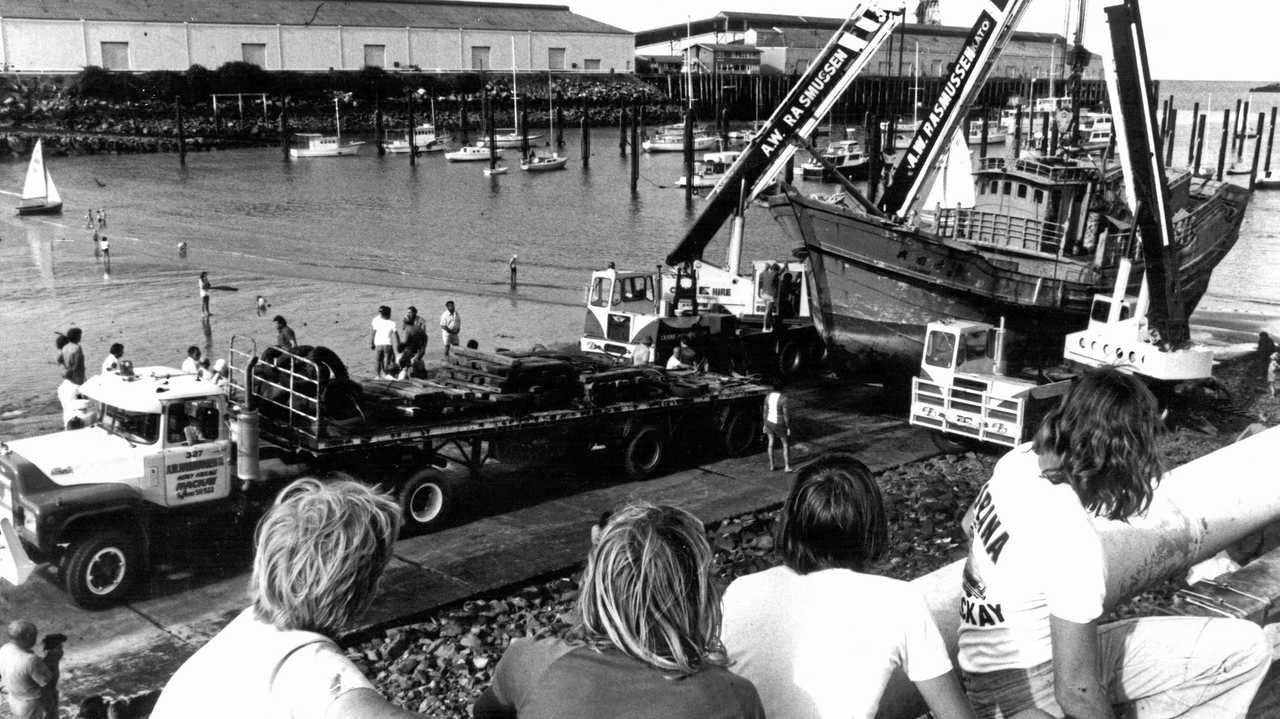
x,y
450,326
383,343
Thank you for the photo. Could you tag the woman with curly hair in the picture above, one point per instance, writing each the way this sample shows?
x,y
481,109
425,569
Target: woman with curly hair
x,y
647,640
320,552
819,636
1035,580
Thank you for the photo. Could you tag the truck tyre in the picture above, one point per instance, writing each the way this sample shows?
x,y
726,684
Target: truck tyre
x,y
101,568
643,452
427,500
950,443
793,359
740,433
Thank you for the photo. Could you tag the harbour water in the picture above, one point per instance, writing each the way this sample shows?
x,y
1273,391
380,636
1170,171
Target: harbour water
x,y
327,240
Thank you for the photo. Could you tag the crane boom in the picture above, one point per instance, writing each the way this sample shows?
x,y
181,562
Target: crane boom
x,y
987,39
822,84
1138,140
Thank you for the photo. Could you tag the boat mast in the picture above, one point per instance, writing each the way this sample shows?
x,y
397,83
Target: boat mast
x,y
515,92
337,121
915,90
688,60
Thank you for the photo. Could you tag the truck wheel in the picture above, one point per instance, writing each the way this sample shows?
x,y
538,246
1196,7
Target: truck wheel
x,y
951,444
793,359
740,434
427,500
101,568
643,452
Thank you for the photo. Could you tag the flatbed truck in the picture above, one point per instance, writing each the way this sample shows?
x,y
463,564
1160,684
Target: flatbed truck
x,y
172,451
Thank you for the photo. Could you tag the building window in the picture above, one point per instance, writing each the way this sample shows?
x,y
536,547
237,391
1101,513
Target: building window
x,y
1039,196
589,64
1022,191
555,58
375,55
937,68
115,55
479,57
254,53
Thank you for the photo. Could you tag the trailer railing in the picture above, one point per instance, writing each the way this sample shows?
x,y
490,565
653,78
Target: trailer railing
x,y
286,386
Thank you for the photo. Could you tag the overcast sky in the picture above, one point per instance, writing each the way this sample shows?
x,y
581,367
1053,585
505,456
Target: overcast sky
x,y
1206,40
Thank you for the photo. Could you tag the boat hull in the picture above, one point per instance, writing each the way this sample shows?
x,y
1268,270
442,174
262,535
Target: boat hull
x,y
50,209
699,143
460,156
876,284
342,151
545,166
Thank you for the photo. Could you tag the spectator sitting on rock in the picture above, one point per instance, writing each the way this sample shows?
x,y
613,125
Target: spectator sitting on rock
x,y
647,644
319,554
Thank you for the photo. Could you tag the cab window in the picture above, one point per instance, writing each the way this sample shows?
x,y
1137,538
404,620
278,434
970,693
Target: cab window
x,y
941,349
191,422
633,289
974,356
140,427
599,293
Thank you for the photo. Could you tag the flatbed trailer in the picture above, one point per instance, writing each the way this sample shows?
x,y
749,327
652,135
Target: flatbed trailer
x,y
177,455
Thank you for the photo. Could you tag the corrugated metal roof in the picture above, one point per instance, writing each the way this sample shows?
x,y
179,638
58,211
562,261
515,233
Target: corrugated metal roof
x,y
358,13
738,21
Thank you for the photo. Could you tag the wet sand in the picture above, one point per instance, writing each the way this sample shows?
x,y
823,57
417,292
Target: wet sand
x,y
155,312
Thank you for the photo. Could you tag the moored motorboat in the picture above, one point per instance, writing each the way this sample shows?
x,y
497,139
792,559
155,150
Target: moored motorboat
x,y
424,140
845,155
470,153
312,144
711,168
498,170
39,194
670,138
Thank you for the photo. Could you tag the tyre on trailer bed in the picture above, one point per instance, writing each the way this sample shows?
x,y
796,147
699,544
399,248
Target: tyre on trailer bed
x,y
643,452
740,432
101,567
428,499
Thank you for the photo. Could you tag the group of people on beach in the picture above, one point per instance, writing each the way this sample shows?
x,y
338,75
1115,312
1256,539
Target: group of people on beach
x,y
817,636
96,220
399,351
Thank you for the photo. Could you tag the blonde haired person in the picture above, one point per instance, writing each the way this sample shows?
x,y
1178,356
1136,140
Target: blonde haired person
x,y
319,554
647,642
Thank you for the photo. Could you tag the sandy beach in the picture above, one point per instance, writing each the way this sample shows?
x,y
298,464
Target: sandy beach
x,y
155,312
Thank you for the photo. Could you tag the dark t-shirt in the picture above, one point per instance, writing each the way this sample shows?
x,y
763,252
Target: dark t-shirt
x,y
554,679
286,338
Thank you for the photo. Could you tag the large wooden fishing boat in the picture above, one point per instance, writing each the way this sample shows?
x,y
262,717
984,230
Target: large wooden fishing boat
x,y
1045,235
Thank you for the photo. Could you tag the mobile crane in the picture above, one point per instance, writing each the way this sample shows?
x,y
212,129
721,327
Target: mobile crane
x,y
962,390
700,301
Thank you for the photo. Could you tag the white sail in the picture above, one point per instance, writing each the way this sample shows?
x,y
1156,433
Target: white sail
x,y
953,184
37,178
53,198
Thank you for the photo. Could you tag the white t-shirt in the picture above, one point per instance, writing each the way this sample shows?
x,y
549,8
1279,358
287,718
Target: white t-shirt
x,y
191,366
110,364
231,676
824,644
383,328
1033,553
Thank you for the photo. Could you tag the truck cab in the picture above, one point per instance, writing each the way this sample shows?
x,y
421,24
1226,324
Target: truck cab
x,y
88,496
962,390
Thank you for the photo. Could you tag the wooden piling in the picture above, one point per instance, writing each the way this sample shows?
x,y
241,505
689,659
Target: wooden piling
x,y
559,127
1164,116
379,139
1244,131
182,132
1170,135
413,146
875,157
789,174
1235,126
1191,141
283,126
1017,130
622,131
586,141
1257,150
986,122
688,158
524,130
462,120
635,153
1044,134
1271,136
1199,143
1222,146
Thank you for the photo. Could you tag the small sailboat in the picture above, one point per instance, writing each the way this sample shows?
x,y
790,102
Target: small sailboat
x,y
39,194
541,163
